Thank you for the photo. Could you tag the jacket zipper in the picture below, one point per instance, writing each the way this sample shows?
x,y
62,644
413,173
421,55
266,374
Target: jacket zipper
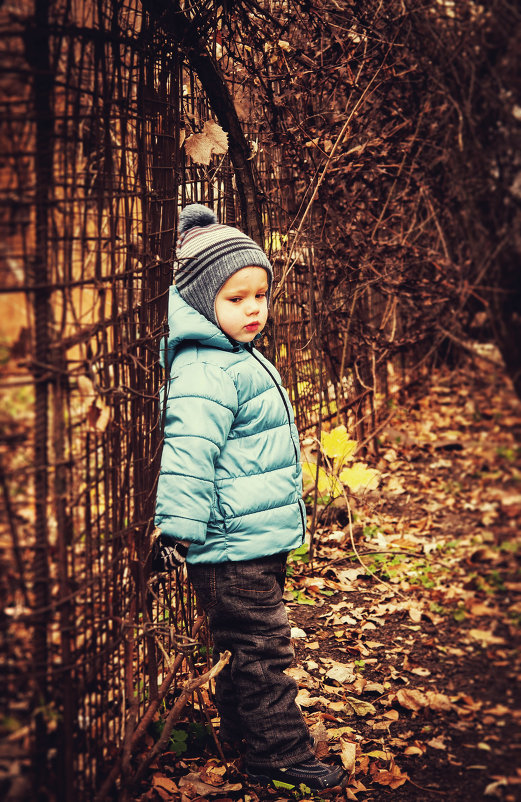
x,y
279,389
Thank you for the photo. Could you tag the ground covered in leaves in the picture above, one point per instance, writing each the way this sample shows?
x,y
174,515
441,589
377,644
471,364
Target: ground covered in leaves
x,y
408,668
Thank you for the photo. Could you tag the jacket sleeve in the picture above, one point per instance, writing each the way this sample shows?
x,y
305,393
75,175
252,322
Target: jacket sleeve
x,y
201,405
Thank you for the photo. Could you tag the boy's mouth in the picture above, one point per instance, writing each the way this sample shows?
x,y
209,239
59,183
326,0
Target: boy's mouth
x,y
252,326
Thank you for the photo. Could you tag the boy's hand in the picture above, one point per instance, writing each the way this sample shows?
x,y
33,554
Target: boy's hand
x,y
168,554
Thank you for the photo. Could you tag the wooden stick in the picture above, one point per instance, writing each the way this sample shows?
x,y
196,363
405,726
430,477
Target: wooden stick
x,y
146,719
175,713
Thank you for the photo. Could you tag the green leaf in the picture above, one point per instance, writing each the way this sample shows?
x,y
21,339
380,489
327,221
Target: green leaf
x,y
459,614
300,555
177,742
300,598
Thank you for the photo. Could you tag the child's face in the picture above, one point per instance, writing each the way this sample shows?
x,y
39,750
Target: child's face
x,y
241,305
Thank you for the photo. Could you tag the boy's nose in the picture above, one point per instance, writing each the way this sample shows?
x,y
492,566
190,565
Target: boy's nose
x,y
252,306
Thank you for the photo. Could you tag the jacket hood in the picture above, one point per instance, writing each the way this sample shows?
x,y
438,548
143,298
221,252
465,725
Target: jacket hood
x,y
186,323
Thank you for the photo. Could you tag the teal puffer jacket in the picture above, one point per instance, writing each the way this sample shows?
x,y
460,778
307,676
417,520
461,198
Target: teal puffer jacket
x,y
230,480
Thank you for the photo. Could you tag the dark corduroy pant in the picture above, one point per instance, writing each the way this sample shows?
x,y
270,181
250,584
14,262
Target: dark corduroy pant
x,y
255,698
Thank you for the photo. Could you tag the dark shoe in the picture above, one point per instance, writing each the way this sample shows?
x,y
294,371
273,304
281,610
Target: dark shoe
x,y
313,773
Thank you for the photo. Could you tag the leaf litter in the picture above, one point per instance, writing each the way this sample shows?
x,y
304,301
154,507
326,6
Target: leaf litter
x,y
416,694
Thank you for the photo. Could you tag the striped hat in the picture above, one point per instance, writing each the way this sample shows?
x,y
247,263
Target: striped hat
x,y
208,254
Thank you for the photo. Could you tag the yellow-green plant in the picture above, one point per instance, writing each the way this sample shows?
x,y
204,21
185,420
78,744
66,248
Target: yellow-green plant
x,y
339,471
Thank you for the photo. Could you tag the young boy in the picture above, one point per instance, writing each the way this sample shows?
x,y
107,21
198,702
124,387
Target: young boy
x,y
229,493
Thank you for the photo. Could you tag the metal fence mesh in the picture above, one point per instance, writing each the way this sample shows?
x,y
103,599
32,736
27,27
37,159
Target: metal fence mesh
x,y
95,105
89,197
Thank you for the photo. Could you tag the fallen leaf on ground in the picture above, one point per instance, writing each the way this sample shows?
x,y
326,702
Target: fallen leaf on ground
x,y
194,780
336,707
358,707
415,614
485,637
302,677
341,672
437,743
494,789
411,699
347,754
415,700
337,732
160,781
380,754
394,777
374,687
304,699
421,672
415,749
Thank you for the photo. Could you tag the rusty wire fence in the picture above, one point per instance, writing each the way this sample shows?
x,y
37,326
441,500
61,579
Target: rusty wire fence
x,y
91,183
95,105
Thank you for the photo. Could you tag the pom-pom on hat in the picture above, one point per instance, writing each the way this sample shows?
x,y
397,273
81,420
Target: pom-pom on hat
x,y
208,253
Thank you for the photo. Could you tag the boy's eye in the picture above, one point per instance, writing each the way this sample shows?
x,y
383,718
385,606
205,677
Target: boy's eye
x,y
261,295
234,300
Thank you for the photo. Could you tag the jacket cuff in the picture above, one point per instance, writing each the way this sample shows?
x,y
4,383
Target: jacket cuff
x,y
182,529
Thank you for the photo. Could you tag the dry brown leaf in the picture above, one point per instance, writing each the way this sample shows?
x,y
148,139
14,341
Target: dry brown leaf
x,y
85,386
415,614
421,672
415,700
411,699
498,710
303,678
395,486
319,732
438,701
373,687
485,637
212,140
98,416
304,699
160,781
347,754
394,777
357,786
358,707
204,789
415,749
380,726
494,789
380,754
337,732
515,586
437,743
341,672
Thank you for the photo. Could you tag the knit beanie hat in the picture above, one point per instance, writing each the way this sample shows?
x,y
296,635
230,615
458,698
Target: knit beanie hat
x,y
208,253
